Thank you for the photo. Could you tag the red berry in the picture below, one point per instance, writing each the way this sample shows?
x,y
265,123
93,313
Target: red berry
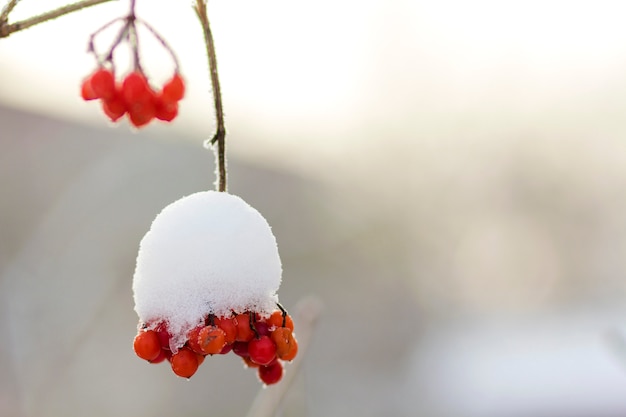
x,y
103,83
249,364
277,318
141,112
229,327
293,351
165,110
284,340
161,357
146,345
114,107
141,118
211,340
271,373
241,349
262,328
193,342
86,91
227,348
164,335
244,332
135,88
262,350
184,363
174,89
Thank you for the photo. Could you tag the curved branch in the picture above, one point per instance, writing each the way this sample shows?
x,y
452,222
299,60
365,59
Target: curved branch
x,y
7,29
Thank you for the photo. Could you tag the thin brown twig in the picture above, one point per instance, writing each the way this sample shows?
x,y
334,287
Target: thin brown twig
x,y
4,16
159,38
220,133
7,29
133,39
108,58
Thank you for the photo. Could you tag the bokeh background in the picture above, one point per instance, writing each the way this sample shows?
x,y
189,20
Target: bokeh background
x,y
447,177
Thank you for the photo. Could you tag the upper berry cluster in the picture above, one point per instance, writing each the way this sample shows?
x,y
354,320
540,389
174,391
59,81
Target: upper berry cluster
x,y
134,96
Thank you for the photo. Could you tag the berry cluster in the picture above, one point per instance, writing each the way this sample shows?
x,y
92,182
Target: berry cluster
x,y
134,96
262,343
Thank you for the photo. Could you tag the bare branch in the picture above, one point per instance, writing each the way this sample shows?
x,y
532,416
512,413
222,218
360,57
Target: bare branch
x,y
7,29
220,134
4,16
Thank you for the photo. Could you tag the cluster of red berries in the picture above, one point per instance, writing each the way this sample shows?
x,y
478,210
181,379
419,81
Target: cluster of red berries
x,y
134,96
262,343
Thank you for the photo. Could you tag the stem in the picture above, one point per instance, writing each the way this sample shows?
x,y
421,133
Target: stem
x,y
7,29
220,133
284,313
251,324
159,38
133,39
4,16
109,57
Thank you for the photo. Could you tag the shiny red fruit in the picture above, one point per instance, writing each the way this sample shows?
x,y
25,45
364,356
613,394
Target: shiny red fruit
x,y
241,349
135,88
244,332
165,110
114,107
277,319
146,345
103,83
229,327
271,373
174,89
262,350
211,340
86,91
184,363
193,340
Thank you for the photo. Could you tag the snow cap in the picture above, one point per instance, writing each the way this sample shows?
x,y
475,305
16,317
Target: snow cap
x,y
209,252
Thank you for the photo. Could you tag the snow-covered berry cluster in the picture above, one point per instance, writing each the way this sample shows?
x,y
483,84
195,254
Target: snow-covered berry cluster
x,y
205,283
262,343
134,96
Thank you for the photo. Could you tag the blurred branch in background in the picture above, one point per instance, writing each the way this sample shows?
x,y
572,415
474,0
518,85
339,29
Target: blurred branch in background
x,y
616,341
269,399
7,29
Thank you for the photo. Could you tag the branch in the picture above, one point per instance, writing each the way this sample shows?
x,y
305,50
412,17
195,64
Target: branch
x,y
617,344
6,29
220,134
4,16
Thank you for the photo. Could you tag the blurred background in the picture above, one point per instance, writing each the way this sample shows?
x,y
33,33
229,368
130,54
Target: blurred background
x,y
448,177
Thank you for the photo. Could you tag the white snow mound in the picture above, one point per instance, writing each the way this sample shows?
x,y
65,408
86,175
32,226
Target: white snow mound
x,y
209,252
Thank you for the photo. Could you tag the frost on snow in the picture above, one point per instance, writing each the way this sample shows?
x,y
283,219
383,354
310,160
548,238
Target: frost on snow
x,y
209,252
